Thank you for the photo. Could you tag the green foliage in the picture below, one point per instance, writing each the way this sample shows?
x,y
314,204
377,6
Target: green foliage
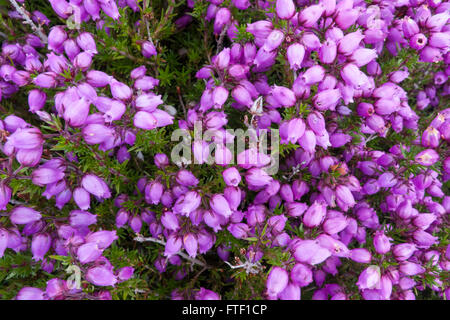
x,y
18,270
25,190
289,113
151,141
285,149
181,53
199,10
242,35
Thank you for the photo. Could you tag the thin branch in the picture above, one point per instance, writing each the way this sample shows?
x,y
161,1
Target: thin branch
x,y
147,23
27,20
221,37
16,202
164,20
181,102
125,54
249,267
140,238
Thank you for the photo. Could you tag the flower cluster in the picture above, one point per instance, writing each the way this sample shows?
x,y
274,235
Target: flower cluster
x,y
358,93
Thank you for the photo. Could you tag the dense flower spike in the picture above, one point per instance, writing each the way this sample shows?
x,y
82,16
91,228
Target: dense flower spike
x,y
348,201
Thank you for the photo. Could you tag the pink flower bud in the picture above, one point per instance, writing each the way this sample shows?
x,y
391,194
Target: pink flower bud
x,y
316,122
33,64
135,224
350,42
410,27
363,56
45,80
125,273
440,40
424,220
338,139
260,29
346,18
310,15
231,177
295,54
88,252
96,133
43,176
95,186
173,245
274,40
40,245
144,120
242,96
148,49
239,230
220,205
27,138
313,75
5,195
20,78
120,91
87,42
301,275
327,99
315,214
308,141
284,96
76,114
204,294
334,225
121,218
190,243
291,292
101,276
360,255
437,21
429,54
430,137
24,215
353,76
410,268
98,79
148,102
424,239
93,8
327,52
79,218
257,178
36,100
110,9
264,59
29,293
285,9
310,252
56,37
83,61
222,60
369,278
427,157
12,123
187,203
220,96
222,18
276,281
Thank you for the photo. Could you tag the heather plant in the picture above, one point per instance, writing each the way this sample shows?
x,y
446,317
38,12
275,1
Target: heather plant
x,y
224,149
